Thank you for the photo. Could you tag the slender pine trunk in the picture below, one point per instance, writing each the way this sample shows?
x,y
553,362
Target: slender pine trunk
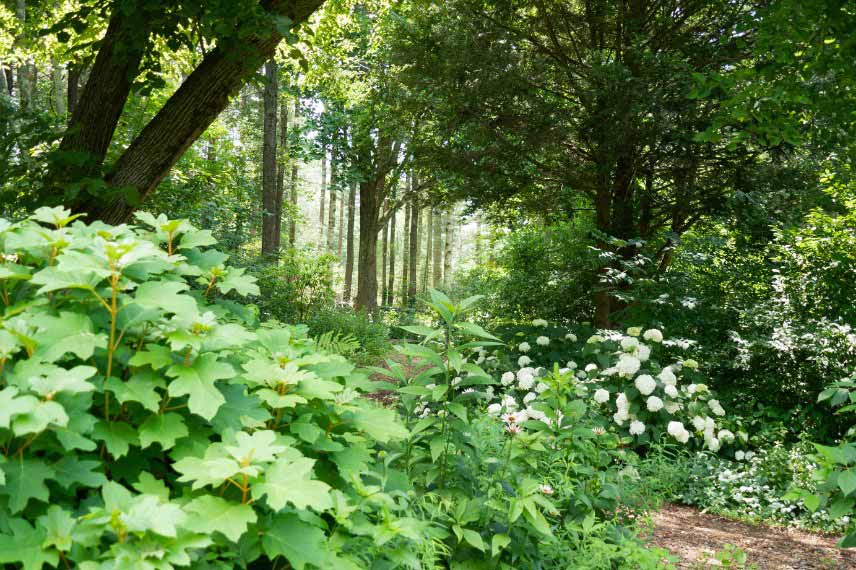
x,y
270,242
390,288
413,257
437,271
384,248
349,247
281,170
334,187
323,211
447,253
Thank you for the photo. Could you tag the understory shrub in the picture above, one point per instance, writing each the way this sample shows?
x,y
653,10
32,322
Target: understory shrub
x,y
147,423
295,286
371,338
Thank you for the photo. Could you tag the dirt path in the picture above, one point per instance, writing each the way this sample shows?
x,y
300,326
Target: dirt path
x,y
694,537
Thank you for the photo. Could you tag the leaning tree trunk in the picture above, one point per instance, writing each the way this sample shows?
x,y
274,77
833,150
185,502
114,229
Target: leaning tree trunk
x,y
292,224
323,209
390,288
349,246
343,189
270,241
190,110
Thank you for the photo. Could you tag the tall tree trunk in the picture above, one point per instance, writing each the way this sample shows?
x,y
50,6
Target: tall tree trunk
x,y
429,243
436,273
447,253
334,186
384,248
190,110
370,192
282,168
72,88
4,82
413,256
57,86
390,288
349,247
323,211
292,223
343,186
270,241
10,78
405,249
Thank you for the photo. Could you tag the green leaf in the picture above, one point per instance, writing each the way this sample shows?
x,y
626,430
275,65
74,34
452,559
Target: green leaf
x,y
841,506
379,423
197,381
289,481
164,429
197,238
210,470
847,481
117,436
210,514
69,332
474,539
149,514
43,414
59,525
498,543
60,380
142,388
25,480
155,355
299,542
240,410
166,296
11,404
475,330
71,470
239,282
25,546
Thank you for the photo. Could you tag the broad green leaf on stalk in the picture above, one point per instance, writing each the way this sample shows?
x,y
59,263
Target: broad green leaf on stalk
x,y
475,330
155,355
421,330
118,437
421,352
237,280
24,545
52,279
167,296
299,542
265,372
12,404
148,485
437,446
71,471
276,400
456,360
847,481
841,506
289,480
328,366
61,380
43,414
458,409
56,216
196,238
843,454
142,388
307,431
258,447
474,539
229,335
353,460
59,525
25,480
69,332
316,388
210,470
164,429
197,381
378,423
149,514
213,514
241,410
847,541
14,272
470,302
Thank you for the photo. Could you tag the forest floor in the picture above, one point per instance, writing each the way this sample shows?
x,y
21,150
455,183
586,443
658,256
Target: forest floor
x,y
694,537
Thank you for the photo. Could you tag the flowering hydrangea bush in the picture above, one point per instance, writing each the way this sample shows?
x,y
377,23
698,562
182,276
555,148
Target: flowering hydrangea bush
x,y
632,384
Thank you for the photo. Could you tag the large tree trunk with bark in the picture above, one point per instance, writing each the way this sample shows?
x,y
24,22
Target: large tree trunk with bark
x,y
186,115
57,88
292,223
343,186
335,167
447,251
429,252
405,250
349,246
370,193
323,211
72,90
384,249
270,240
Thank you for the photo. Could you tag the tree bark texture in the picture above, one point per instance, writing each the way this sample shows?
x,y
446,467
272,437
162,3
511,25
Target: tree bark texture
x,y
282,168
334,186
413,254
447,252
390,288
349,245
437,271
429,252
384,249
323,211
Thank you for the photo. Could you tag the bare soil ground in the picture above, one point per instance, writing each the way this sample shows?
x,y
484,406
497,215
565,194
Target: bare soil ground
x,y
694,537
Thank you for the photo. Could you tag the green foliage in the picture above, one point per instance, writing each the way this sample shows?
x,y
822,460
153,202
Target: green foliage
x,y
366,338
147,421
296,286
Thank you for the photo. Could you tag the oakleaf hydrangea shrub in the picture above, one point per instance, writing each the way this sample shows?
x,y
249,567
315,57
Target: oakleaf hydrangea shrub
x,y
634,381
146,422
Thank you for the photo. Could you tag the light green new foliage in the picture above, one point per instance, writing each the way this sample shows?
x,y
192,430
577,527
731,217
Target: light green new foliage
x,y
147,422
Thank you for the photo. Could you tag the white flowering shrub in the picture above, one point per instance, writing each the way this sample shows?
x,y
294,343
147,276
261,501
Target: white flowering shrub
x,y
631,380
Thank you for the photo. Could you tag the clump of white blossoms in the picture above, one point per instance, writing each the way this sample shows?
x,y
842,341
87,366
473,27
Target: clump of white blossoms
x,y
524,361
539,323
645,383
542,341
601,396
524,347
571,337
678,431
653,335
